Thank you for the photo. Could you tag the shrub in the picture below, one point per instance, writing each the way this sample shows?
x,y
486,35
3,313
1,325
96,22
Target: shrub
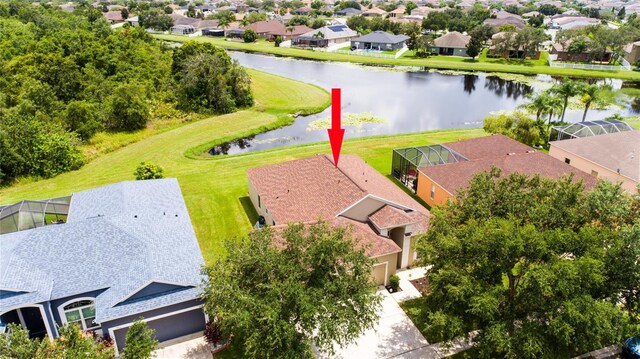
x,y
148,170
128,109
249,36
213,332
394,282
278,40
139,342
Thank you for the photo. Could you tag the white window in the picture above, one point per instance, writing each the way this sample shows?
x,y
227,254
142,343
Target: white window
x,y
433,191
82,312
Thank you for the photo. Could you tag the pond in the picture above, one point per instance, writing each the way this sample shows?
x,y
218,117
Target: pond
x,y
394,100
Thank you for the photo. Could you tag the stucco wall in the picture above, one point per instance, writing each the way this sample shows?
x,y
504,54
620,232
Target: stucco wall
x,y
424,191
390,261
588,167
259,205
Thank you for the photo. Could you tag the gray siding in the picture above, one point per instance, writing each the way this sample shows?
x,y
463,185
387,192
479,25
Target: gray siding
x,y
55,304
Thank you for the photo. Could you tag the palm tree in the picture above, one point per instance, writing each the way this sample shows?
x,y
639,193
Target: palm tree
x,y
554,105
566,90
224,22
591,93
539,104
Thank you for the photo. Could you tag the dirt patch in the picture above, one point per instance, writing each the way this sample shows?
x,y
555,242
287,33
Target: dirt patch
x,y
422,285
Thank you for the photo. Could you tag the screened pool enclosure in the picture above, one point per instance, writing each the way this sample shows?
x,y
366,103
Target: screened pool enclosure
x,y
587,129
406,161
31,214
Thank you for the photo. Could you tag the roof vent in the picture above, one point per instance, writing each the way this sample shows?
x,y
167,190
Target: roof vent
x,y
511,153
618,170
176,215
135,216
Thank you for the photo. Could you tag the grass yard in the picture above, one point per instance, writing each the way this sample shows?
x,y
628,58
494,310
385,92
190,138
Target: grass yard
x,y
530,67
215,189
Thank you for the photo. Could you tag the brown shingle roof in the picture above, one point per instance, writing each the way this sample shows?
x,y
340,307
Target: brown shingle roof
x,y
452,39
615,151
297,31
267,27
455,176
375,11
389,216
488,146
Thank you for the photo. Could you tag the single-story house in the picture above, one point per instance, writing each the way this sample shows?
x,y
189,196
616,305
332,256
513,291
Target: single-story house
x,y
183,20
504,18
511,52
530,14
182,30
133,21
374,12
562,52
567,22
113,17
397,12
290,33
380,41
348,11
305,10
632,52
325,36
380,214
213,32
265,29
437,173
127,250
452,43
613,156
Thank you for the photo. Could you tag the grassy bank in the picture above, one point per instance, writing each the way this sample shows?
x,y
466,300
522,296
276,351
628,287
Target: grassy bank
x,y
215,189
439,62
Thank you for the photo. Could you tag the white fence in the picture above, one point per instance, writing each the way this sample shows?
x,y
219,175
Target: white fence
x,y
625,65
364,53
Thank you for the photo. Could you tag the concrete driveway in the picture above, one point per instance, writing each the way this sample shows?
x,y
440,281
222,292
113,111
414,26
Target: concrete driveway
x,y
394,336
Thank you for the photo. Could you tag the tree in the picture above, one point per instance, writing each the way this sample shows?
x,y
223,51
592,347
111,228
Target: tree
x,y
423,46
255,17
249,35
517,125
225,17
622,13
139,342
317,4
549,10
125,13
536,20
73,343
475,45
529,40
504,43
524,261
318,23
591,94
409,6
436,21
155,19
268,5
280,293
412,30
128,109
16,343
566,89
148,170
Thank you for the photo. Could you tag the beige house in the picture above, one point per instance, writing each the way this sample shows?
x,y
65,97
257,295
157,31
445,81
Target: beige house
x,y
379,214
613,156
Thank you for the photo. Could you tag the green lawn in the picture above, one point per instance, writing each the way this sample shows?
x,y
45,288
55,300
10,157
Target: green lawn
x,y
529,67
215,189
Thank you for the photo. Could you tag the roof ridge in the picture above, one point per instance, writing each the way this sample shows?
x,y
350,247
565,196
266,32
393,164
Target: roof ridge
x,y
326,156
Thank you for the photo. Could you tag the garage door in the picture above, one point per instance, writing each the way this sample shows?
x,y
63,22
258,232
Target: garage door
x,y
171,327
379,272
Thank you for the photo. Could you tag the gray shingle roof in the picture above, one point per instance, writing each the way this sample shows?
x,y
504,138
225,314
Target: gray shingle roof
x,y
382,38
118,237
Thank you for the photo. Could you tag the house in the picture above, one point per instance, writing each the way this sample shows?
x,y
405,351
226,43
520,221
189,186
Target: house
x,y
305,10
133,21
374,12
182,30
354,195
511,52
632,52
126,251
437,173
567,22
326,36
504,18
614,156
530,14
452,44
183,20
290,33
397,13
564,51
113,17
380,41
348,11
266,29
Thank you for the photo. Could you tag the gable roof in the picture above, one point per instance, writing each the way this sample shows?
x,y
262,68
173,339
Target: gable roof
x,y
494,151
452,39
382,38
374,11
619,151
117,238
267,27
297,30
388,216
332,32
312,188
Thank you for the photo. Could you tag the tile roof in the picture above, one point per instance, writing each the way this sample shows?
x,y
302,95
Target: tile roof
x,y
455,176
312,188
118,237
615,151
452,39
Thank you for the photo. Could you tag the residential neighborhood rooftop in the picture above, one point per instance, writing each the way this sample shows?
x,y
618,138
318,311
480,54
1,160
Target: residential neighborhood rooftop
x,y
452,39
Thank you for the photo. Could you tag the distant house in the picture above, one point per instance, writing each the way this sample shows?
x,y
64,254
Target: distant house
x,y
348,11
380,41
183,20
126,251
133,21
113,17
452,44
530,14
326,36
397,13
567,22
511,52
290,33
504,18
183,30
380,215
374,12
614,156
305,10
632,52
425,10
443,170
265,29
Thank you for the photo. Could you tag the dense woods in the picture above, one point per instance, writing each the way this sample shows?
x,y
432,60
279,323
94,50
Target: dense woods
x,y
66,76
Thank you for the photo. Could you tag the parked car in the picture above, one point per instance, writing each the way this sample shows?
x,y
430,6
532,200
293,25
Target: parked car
x,y
631,347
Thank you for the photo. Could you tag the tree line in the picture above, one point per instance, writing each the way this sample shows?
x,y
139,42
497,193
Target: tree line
x,y
66,76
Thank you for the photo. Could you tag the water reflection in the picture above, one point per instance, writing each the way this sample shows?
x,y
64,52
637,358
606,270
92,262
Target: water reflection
x,y
470,83
502,87
223,148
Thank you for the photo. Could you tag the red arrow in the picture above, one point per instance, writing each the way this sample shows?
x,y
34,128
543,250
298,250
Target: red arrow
x,y
336,134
